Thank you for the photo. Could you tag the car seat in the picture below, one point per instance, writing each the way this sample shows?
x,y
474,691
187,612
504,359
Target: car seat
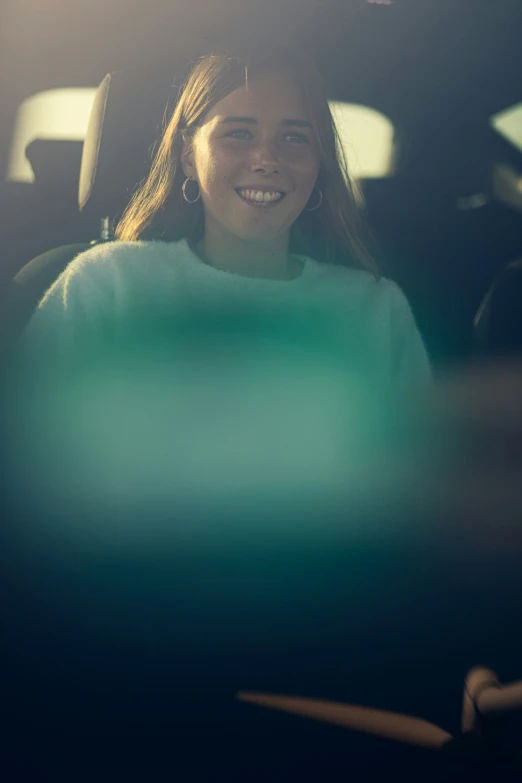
x,y
46,212
498,322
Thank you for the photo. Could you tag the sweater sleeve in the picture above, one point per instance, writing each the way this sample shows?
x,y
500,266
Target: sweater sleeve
x,y
76,310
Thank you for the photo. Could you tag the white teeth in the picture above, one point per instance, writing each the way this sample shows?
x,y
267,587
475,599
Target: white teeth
x,y
260,196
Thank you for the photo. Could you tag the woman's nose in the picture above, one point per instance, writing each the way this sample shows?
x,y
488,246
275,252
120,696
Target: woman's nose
x,y
265,160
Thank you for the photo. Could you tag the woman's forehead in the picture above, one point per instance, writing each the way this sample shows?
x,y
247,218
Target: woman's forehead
x,y
271,96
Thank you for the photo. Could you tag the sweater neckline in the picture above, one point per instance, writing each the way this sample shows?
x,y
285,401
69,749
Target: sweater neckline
x,y
225,276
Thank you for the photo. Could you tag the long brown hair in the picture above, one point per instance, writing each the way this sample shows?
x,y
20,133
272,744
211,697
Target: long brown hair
x,y
157,210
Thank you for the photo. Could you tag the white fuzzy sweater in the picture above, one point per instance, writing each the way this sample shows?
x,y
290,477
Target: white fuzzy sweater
x,y
278,414
112,284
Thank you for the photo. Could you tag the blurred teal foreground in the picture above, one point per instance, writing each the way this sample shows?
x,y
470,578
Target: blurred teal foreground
x,y
245,415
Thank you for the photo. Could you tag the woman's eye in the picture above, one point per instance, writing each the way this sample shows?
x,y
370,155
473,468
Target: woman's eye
x,y
239,134
298,138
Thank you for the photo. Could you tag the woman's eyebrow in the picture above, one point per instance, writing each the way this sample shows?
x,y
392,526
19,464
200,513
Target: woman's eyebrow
x,y
238,119
252,120
300,123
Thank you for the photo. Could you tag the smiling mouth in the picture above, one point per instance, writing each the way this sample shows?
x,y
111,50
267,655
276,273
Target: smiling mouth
x,y
258,198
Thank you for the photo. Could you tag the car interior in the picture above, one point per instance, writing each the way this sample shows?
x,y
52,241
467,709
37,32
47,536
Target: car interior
x,y
444,221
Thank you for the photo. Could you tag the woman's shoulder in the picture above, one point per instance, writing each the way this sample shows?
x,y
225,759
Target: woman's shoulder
x,y
382,303
105,283
113,264
108,255
354,282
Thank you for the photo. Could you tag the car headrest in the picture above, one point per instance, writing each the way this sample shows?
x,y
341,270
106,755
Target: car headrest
x,y
125,122
56,165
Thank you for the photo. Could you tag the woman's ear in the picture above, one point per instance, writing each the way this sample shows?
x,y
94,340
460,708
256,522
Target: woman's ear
x,y
187,159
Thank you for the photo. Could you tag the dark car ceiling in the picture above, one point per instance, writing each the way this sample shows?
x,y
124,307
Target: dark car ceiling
x,y
415,57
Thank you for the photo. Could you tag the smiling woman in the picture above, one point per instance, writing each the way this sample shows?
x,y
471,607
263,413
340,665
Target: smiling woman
x,y
247,211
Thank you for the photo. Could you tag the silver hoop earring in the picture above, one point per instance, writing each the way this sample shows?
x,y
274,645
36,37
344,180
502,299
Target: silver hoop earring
x,y
184,189
319,204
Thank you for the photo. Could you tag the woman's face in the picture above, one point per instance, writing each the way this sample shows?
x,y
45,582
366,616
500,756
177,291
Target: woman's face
x,y
256,161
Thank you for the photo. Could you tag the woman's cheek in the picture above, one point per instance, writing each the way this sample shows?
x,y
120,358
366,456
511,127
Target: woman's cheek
x,y
207,162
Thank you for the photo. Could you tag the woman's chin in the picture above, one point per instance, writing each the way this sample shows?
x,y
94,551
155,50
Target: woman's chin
x,y
260,234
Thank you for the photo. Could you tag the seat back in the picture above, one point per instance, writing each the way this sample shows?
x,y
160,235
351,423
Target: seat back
x,y
45,213
444,250
498,322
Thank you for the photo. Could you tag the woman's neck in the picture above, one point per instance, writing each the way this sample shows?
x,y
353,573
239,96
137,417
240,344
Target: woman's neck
x,y
249,258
